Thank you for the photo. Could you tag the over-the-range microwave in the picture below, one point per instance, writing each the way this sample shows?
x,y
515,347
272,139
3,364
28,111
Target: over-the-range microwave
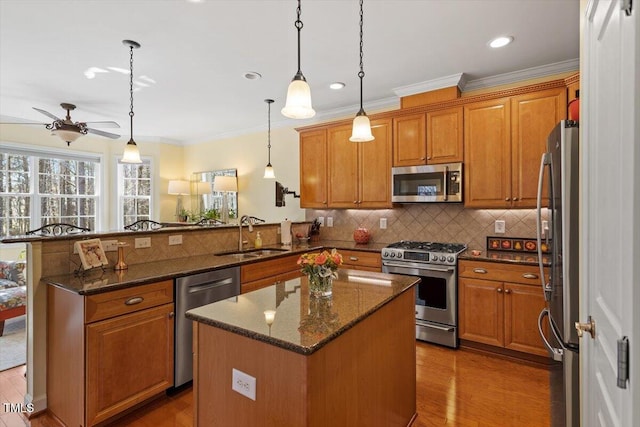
x,y
428,183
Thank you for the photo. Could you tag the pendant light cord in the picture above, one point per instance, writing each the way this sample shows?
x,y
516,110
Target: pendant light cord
x,y
131,88
361,73
298,24
269,101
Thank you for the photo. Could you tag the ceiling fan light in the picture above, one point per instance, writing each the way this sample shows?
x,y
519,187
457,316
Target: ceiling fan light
x,y
298,105
131,153
361,131
268,172
66,135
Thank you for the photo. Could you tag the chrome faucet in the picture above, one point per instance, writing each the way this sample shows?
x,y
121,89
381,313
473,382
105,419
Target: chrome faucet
x,y
247,219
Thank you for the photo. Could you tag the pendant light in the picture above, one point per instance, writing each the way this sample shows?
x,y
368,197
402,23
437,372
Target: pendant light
x,y
298,104
131,152
361,125
268,170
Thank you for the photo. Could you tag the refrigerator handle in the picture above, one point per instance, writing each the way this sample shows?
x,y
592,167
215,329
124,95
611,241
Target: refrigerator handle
x,y
556,353
546,287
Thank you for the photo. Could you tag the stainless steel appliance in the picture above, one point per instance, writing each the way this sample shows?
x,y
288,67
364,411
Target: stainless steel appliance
x,y
194,291
427,183
559,168
437,292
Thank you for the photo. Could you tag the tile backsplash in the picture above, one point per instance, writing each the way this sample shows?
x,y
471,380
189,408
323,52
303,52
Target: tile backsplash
x,y
434,222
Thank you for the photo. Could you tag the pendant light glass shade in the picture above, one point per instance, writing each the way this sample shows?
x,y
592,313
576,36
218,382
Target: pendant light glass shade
x,y
298,103
131,152
361,129
268,172
361,125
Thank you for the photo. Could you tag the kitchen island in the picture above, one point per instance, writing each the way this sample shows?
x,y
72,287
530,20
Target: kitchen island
x,y
344,360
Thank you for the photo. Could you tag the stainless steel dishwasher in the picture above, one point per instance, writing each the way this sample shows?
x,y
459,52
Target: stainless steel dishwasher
x,y
194,291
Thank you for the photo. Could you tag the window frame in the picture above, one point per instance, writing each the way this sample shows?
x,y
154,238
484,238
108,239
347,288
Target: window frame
x,y
119,186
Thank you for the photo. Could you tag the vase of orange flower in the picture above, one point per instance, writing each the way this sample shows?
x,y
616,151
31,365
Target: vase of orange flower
x,y
321,268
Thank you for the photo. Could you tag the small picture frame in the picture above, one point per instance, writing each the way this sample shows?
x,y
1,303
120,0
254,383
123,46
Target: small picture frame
x,y
91,253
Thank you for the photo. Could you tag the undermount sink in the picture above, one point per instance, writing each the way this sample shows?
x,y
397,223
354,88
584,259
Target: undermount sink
x,y
254,253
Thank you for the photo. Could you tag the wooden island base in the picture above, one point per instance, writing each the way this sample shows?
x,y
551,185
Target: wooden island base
x,y
365,376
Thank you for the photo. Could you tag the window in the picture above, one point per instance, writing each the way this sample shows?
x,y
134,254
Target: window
x,y
134,188
38,188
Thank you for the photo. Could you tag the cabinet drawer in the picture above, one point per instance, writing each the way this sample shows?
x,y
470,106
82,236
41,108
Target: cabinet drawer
x,y
273,267
123,301
361,259
513,273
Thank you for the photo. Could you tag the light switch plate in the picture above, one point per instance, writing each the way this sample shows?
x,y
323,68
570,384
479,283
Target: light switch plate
x,y
243,383
383,223
110,245
500,226
329,221
142,242
321,220
175,239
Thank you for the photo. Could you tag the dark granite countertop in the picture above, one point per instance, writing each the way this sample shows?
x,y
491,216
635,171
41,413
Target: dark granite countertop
x,y
304,324
506,257
98,281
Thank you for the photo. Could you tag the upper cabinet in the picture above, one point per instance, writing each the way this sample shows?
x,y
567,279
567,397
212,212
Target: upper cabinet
x,y
431,138
359,174
503,142
338,173
313,169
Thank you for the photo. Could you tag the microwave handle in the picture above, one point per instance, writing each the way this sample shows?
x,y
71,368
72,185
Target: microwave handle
x,y
446,183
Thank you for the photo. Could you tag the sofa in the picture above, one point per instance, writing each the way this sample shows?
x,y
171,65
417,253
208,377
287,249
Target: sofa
x,y
13,290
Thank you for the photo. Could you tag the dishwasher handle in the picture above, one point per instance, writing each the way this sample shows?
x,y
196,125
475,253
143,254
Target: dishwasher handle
x,y
201,287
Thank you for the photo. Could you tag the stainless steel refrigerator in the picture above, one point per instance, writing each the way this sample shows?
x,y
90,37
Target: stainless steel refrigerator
x,y
559,169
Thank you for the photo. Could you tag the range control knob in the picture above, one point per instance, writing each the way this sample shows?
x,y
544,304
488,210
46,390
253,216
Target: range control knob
x,y
385,254
392,255
443,258
399,254
451,259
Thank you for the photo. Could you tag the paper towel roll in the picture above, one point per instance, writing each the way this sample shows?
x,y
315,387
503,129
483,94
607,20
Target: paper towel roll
x,y
285,232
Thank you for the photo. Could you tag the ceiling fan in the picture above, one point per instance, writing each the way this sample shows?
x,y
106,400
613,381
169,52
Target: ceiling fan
x,y
69,131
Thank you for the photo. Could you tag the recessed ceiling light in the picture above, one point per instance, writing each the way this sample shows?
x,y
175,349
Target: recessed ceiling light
x,y
500,41
336,85
252,75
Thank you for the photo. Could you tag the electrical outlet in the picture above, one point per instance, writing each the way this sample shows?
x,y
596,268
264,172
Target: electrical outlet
x,y
142,242
500,226
110,245
383,223
321,220
329,221
175,240
243,383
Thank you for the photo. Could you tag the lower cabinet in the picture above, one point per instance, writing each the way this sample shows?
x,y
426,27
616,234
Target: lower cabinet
x,y
108,352
258,275
499,305
361,260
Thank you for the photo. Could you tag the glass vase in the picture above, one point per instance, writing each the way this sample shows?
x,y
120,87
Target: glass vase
x,y
320,286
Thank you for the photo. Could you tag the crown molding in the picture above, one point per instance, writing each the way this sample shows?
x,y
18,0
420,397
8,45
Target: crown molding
x,y
459,80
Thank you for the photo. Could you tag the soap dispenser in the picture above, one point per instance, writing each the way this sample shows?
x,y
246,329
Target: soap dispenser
x,y
258,242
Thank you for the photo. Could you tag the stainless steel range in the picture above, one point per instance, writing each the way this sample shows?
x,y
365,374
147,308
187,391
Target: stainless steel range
x,y
437,293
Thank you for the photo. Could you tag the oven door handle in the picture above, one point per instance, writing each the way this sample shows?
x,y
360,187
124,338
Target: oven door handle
x,y
432,326
421,267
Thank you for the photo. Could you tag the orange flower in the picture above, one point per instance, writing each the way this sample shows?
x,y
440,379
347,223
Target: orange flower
x,y
321,258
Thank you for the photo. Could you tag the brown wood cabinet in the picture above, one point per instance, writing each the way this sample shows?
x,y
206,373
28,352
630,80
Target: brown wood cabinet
x,y
313,169
258,275
431,138
499,305
359,174
108,352
361,260
503,141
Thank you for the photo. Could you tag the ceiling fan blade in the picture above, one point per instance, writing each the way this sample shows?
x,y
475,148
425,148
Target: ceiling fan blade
x,y
106,124
103,133
46,113
10,120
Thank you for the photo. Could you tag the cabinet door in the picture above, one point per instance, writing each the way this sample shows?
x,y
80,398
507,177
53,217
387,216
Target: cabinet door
x,y
480,314
444,136
343,168
313,169
534,115
487,154
375,167
409,140
129,359
522,305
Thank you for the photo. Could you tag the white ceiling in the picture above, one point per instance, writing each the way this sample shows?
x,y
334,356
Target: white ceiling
x,y
197,53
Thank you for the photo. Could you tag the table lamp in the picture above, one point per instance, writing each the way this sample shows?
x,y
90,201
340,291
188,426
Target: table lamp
x,y
225,184
179,188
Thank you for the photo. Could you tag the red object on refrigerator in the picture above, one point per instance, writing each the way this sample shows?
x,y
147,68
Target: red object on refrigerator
x,y
574,107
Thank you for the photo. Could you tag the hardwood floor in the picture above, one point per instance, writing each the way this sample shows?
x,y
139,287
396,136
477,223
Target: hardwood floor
x,y
454,388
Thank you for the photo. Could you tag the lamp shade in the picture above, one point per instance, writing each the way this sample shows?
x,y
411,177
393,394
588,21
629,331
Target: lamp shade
x,y
298,104
361,129
225,183
178,187
131,153
66,135
268,172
